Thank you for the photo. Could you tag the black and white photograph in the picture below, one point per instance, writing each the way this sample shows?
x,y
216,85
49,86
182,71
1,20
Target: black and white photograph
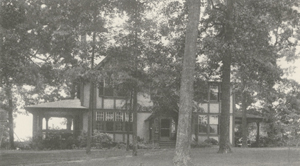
x,y
149,83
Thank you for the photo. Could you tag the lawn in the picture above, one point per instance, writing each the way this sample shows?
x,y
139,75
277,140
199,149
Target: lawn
x,y
156,157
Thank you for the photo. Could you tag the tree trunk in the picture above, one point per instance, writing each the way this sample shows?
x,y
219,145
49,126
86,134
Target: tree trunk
x,y
90,119
244,121
91,102
10,115
128,124
224,146
134,134
182,151
73,90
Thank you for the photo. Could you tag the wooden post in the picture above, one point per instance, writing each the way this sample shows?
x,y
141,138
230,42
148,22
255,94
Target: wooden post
x,y
257,134
34,124
47,126
40,125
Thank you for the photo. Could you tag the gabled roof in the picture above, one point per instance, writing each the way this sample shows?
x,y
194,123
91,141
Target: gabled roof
x,y
73,103
103,62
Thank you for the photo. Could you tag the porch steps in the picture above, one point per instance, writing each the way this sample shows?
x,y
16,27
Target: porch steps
x,y
167,144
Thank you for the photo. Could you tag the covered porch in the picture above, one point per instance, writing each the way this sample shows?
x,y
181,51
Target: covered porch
x,y
71,110
251,118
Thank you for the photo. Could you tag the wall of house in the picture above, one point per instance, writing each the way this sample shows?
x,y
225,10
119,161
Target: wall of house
x,y
142,127
86,95
207,112
117,104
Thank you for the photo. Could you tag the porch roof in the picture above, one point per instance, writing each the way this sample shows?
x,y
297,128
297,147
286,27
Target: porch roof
x,y
58,108
250,117
73,103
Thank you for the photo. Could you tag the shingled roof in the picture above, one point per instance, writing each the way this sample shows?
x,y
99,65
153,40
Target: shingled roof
x,y
73,103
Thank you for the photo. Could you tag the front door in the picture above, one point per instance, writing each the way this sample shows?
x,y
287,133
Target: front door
x,y
165,129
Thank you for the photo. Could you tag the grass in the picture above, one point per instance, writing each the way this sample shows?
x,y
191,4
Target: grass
x,y
163,157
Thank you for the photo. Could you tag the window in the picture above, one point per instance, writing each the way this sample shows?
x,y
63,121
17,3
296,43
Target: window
x,y
127,117
99,116
208,126
106,88
128,125
109,116
110,126
119,116
214,92
109,88
202,122
101,88
119,126
213,124
100,125
100,120
120,90
113,121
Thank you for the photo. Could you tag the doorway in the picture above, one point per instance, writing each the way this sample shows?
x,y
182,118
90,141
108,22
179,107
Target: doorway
x,y
165,129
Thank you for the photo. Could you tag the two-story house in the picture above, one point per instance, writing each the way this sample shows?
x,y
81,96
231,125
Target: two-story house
x,y
113,116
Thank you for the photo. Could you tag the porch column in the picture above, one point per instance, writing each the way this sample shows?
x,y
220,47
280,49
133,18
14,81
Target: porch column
x,y
69,123
40,124
34,124
47,126
76,125
257,134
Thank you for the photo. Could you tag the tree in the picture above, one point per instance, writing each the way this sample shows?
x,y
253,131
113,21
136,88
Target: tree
x,y
263,70
14,58
224,146
130,51
186,89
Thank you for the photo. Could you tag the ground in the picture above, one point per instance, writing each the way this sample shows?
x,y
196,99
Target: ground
x,y
154,157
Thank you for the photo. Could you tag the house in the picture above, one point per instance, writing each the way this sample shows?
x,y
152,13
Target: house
x,y
112,115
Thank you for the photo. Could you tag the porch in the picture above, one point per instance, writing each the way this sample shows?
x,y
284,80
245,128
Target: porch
x,y
71,110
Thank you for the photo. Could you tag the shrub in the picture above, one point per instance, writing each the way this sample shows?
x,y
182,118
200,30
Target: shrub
x,y
201,144
36,143
99,140
53,141
271,142
211,141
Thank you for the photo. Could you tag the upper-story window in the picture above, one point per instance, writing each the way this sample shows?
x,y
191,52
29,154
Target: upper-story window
x,y
214,92
109,88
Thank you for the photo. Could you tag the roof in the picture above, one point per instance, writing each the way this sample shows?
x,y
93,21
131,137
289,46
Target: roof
x,y
250,117
239,114
73,103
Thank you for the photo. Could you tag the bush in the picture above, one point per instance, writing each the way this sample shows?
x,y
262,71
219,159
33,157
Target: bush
x,y
67,141
202,144
36,143
271,142
211,141
99,140
53,141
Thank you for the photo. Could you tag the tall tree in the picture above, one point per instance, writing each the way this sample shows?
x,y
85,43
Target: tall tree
x,y
17,67
224,145
182,151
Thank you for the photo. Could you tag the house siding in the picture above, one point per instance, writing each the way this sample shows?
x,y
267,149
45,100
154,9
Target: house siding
x,y
142,127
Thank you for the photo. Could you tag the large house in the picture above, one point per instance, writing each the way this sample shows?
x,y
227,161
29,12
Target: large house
x,y
111,115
